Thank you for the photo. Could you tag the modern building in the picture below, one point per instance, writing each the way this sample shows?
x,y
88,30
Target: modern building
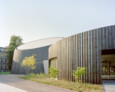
x,y
93,49
39,48
3,60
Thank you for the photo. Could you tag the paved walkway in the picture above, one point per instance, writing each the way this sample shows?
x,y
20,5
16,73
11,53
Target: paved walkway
x,y
109,85
11,83
7,88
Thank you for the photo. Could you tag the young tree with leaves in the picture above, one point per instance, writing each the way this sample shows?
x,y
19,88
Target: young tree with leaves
x,y
29,63
78,73
15,41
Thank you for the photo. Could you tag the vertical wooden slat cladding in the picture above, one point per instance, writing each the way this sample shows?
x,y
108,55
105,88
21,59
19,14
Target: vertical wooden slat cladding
x,y
73,55
83,54
99,54
83,50
69,58
94,65
103,40
113,32
63,57
86,56
91,58
77,50
112,36
76,57
57,47
88,67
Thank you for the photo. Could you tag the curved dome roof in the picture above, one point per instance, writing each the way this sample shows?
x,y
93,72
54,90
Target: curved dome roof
x,y
39,43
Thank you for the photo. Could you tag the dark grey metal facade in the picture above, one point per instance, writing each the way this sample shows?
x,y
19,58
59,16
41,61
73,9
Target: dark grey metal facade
x,y
19,55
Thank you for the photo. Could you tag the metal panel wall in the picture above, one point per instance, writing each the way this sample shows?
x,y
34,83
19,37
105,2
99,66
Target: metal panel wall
x,y
19,55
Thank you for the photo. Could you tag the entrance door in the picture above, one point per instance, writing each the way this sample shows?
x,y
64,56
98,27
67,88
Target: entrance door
x,y
108,66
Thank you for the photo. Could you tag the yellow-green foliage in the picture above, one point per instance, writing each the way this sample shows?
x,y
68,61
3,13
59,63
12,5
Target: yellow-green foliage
x,y
79,72
29,62
53,72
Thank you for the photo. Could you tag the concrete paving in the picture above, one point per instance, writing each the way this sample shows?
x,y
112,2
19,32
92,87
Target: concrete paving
x,y
7,88
109,85
11,83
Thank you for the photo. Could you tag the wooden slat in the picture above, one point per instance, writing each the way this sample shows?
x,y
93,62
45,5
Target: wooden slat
x,y
79,50
69,51
113,32
76,52
87,55
112,36
58,59
67,60
91,51
73,55
83,54
99,54
81,61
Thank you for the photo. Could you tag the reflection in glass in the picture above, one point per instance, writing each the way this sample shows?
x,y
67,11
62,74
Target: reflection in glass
x,y
108,66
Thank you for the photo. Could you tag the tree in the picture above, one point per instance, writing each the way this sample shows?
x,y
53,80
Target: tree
x,y
79,72
15,41
29,63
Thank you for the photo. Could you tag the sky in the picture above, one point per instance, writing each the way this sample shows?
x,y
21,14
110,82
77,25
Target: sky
x,y
37,19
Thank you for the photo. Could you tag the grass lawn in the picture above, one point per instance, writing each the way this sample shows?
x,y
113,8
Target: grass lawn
x,y
4,73
80,87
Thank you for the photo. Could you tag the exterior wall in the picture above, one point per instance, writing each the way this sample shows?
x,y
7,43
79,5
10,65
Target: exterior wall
x,y
19,55
39,48
82,50
46,66
3,60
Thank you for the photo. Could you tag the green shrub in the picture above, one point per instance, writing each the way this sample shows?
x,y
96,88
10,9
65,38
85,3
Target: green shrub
x,y
53,72
79,72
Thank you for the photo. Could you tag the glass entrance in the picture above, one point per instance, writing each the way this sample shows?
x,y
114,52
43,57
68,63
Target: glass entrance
x,y
108,66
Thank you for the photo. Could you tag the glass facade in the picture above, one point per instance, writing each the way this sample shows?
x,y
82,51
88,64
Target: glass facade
x,y
108,67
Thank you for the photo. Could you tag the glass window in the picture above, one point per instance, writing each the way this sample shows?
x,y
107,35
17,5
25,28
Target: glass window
x,y
2,55
108,66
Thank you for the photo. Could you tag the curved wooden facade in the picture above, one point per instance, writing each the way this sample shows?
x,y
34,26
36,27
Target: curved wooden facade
x,y
82,50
